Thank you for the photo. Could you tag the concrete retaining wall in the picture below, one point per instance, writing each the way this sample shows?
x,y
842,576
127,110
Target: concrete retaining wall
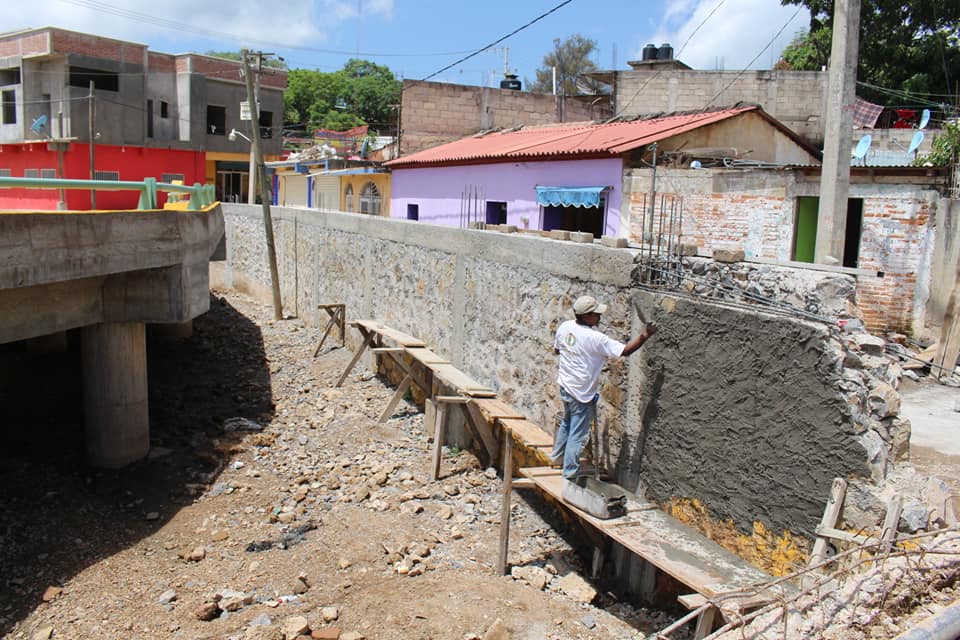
x,y
739,409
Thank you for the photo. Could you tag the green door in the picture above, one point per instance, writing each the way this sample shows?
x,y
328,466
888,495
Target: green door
x,y
805,237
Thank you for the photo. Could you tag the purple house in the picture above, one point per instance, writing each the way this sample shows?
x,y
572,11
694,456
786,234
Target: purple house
x,y
567,176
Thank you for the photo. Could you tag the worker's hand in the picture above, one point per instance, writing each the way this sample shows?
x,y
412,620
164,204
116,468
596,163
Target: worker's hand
x,y
650,329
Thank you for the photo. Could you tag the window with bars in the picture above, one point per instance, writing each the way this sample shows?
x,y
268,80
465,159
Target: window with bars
x,y
168,178
4,173
370,199
106,175
49,174
31,173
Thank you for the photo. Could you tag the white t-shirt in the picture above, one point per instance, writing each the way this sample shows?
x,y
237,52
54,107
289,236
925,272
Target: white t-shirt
x,y
583,350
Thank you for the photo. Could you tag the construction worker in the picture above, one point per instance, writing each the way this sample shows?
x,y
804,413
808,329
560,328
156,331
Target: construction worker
x,y
583,351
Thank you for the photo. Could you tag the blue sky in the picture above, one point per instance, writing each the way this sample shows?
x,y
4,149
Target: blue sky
x,y
416,38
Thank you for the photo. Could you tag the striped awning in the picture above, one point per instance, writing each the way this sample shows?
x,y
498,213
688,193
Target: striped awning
x,y
569,196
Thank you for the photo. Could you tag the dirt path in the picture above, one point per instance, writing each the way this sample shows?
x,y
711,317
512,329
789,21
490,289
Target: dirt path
x,y
310,510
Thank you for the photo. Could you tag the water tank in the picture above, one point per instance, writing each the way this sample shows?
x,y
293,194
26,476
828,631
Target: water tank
x,y
665,52
650,52
510,81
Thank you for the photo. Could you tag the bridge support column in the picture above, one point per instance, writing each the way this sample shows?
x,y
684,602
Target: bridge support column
x,y
115,405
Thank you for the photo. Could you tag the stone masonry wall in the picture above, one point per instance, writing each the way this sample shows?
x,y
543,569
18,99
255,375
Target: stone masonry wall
x,y
725,405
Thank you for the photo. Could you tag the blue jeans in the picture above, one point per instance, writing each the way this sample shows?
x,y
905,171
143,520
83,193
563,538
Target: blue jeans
x,y
573,432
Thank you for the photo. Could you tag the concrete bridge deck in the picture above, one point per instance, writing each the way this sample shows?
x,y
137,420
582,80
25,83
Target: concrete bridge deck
x,y
108,273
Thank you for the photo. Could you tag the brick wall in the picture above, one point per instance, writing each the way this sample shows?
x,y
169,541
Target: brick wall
x,y
29,45
97,47
161,62
434,113
796,98
227,70
757,209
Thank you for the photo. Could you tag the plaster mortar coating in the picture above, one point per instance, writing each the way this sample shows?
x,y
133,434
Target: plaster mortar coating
x,y
740,410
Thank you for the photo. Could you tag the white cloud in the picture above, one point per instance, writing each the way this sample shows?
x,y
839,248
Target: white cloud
x,y
179,25
732,36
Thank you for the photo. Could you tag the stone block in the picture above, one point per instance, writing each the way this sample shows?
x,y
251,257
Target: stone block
x,y
728,253
559,234
611,241
508,228
686,248
581,236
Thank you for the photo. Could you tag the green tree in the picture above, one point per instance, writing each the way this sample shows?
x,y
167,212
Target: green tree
x,y
905,47
360,93
571,58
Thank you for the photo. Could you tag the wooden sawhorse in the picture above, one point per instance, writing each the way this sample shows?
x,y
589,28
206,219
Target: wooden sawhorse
x,y
338,318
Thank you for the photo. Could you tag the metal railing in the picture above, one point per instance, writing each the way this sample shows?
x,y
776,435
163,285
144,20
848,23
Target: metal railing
x,y
201,195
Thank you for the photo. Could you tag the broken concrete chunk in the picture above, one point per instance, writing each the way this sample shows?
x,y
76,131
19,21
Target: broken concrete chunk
x,y
869,343
577,588
497,631
559,234
294,626
581,236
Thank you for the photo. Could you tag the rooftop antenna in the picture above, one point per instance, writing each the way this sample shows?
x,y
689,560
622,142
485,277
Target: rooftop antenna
x,y
862,148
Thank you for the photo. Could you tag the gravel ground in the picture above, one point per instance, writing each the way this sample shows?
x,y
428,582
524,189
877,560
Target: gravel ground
x,y
272,506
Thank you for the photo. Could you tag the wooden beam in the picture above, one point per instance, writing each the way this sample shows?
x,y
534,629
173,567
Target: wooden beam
x,y
482,428
367,339
505,504
438,434
397,395
338,316
829,520
949,348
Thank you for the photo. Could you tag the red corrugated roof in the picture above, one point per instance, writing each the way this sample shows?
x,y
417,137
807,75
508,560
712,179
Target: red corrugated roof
x,y
560,141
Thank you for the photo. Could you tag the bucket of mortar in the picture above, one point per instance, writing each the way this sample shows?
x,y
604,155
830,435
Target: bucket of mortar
x,y
599,499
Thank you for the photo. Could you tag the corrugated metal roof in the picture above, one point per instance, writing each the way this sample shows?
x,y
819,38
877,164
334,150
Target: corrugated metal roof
x,y
559,141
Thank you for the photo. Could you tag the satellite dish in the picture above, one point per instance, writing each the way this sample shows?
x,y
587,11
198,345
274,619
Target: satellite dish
x,y
915,142
862,147
924,119
39,124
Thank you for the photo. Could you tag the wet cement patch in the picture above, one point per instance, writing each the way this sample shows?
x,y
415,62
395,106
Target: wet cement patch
x,y
739,410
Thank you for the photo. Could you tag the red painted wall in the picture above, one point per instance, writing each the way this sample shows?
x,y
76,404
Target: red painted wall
x,y
132,163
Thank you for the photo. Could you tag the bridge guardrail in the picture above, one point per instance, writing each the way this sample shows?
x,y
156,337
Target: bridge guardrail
x,y
201,195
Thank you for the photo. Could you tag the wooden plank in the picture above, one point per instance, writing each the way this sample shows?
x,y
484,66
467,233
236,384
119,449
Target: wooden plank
x,y
494,408
452,377
949,349
398,337
527,432
452,399
426,357
692,600
668,544
830,514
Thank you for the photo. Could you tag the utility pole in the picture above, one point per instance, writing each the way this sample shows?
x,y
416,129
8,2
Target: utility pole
x,y
261,179
90,133
838,133
252,184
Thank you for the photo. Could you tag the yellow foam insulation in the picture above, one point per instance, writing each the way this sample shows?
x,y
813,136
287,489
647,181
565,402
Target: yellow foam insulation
x,y
777,554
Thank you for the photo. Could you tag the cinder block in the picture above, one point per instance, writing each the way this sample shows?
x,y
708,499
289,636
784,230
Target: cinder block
x,y
581,236
728,253
559,234
508,228
611,241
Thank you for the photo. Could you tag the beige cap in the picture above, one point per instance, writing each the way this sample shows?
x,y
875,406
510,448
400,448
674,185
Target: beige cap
x,y
588,304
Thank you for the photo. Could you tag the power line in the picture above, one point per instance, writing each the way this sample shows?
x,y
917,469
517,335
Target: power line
x,y
499,40
760,53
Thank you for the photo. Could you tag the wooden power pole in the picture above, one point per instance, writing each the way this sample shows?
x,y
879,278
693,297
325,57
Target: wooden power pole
x,y
264,189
